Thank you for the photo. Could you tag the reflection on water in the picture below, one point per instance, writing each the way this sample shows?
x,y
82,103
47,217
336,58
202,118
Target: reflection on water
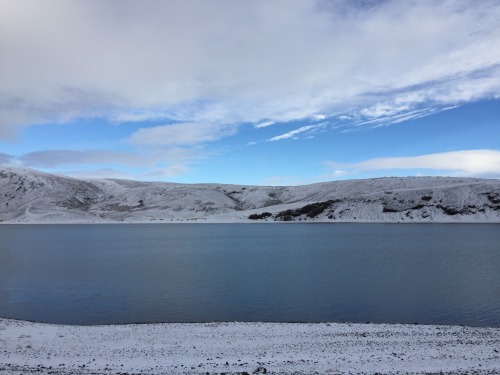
x,y
99,274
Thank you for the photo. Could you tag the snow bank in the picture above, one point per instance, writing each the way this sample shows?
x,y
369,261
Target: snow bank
x,y
247,347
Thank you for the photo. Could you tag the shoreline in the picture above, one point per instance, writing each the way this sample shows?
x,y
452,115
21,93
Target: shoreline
x,y
203,221
198,348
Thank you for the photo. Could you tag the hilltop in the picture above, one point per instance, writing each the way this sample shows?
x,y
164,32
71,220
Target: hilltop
x,y
29,196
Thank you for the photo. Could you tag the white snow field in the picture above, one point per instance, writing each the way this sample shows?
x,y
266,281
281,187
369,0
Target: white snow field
x,y
324,348
28,196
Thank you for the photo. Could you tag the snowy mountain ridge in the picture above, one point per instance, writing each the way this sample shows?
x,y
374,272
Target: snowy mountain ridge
x,y
29,196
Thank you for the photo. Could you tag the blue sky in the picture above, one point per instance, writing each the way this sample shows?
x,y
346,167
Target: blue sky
x,y
258,92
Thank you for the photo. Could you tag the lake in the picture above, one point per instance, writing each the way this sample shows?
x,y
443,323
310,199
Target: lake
x,y
145,273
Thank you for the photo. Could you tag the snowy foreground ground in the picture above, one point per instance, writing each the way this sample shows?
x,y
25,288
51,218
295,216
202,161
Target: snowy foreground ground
x,y
322,348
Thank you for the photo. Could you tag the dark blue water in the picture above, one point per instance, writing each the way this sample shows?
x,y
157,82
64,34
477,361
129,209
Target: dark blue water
x,y
100,274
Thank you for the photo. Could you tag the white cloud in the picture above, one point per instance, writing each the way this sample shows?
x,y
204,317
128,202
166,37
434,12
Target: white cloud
x,y
180,134
138,165
58,158
226,62
293,133
170,171
136,116
319,117
465,163
264,124
383,110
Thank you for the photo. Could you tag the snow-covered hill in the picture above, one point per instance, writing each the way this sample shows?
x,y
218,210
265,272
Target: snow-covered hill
x,y
28,196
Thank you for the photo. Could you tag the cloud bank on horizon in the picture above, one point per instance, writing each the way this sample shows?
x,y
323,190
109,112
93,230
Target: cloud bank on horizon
x,y
185,75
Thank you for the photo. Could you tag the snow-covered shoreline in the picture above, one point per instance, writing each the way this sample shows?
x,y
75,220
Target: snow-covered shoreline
x,y
27,347
238,222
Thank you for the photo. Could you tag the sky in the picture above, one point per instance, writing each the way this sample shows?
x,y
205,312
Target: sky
x,y
263,92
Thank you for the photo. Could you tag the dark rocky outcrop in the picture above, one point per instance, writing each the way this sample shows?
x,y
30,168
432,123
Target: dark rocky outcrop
x,y
494,198
261,216
388,209
448,210
310,210
418,207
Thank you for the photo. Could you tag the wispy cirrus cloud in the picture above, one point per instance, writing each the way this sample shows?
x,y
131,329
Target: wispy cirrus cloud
x,y
294,133
264,124
224,62
471,163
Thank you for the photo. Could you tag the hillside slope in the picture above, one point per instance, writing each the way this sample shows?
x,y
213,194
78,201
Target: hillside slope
x,y
28,196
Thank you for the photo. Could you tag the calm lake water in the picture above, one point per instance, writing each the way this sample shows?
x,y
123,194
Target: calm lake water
x,y
100,274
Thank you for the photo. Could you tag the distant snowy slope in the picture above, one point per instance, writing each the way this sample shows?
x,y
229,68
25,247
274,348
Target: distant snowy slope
x,y
28,196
